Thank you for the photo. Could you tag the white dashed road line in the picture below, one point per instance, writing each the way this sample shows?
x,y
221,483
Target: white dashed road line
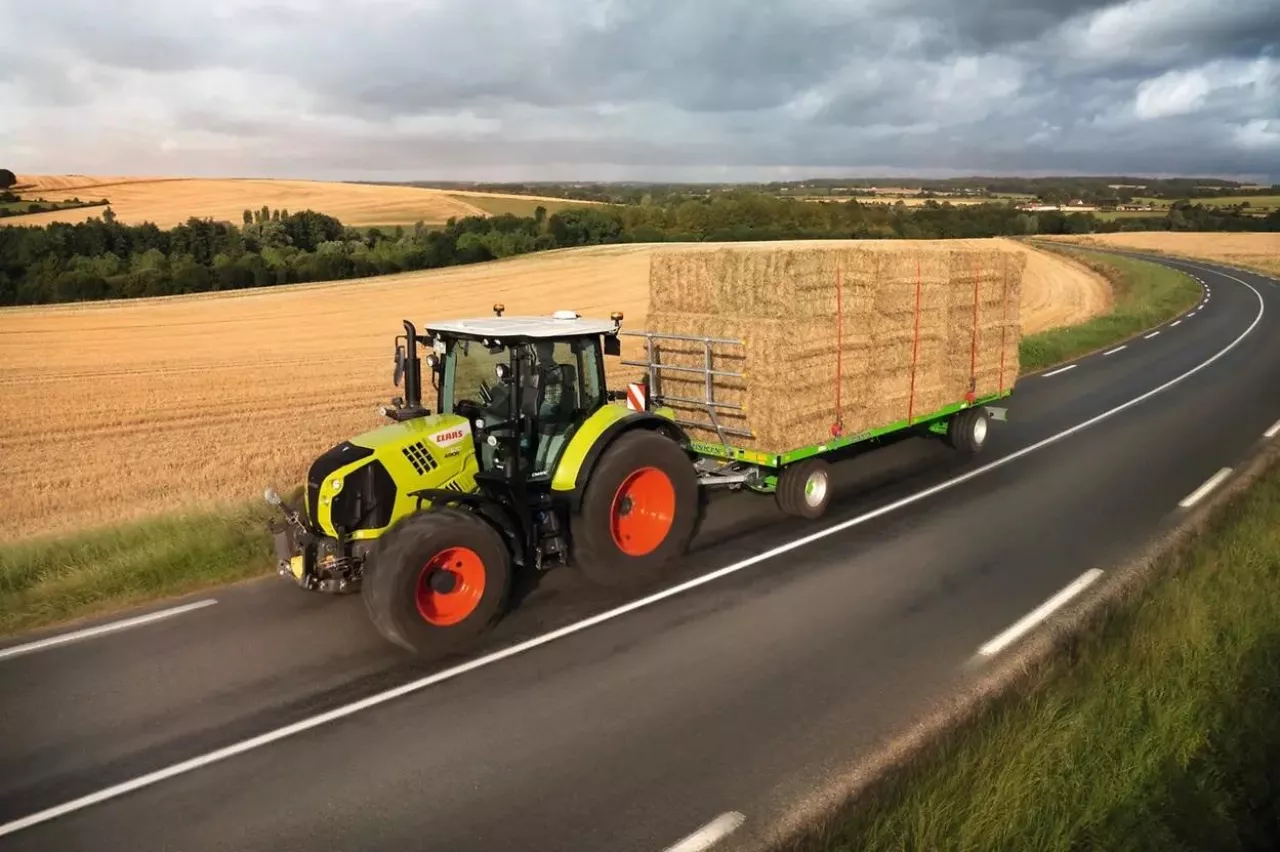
x,y
1199,494
101,629
1273,431
1117,349
710,834
1151,335
1040,613
1060,370
1176,323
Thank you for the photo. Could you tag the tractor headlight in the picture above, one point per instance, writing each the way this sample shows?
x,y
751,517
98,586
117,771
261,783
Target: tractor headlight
x,y
335,484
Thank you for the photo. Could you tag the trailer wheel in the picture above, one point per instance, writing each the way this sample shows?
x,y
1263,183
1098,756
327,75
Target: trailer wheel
x,y
967,431
804,489
436,581
639,510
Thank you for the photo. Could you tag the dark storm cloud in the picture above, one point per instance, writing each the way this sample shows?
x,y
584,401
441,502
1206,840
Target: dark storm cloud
x,y
653,88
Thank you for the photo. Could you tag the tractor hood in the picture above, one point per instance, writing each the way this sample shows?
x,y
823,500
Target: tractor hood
x,y
358,487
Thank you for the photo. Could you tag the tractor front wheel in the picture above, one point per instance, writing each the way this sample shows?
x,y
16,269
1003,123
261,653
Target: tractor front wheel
x,y
436,581
639,511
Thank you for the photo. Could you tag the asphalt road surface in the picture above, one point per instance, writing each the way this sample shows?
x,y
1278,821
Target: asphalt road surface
x,y
789,653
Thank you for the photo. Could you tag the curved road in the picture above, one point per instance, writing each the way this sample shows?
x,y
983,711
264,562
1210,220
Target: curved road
x,y
790,652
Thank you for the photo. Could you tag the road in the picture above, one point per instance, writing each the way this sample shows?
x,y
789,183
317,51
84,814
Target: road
x,y
790,652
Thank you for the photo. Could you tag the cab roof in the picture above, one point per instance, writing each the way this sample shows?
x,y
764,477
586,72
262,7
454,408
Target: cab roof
x,y
558,325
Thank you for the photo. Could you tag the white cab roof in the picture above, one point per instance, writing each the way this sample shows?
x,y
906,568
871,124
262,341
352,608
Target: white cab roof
x,y
559,324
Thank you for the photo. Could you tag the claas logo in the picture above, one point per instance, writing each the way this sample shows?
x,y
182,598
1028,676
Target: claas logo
x,y
449,437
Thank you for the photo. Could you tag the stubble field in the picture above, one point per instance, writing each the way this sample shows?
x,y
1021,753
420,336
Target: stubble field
x,y
1257,251
171,201
115,410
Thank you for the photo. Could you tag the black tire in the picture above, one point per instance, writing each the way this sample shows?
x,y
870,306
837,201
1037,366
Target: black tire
x,y
392,576
597,555
804,489
967,431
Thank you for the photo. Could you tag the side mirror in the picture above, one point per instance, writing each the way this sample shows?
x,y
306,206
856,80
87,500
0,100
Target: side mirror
x,y
612,345
399,371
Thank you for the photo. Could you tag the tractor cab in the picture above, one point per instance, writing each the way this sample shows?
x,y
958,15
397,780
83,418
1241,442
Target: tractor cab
x,y
524,384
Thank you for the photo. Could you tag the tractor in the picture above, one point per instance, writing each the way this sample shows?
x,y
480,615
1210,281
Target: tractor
x,y
527,461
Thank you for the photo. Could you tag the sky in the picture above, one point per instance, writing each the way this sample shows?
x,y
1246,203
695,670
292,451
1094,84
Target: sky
x,y
714,90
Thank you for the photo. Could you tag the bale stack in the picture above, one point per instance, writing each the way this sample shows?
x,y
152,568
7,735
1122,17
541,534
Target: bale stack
x,y
843,337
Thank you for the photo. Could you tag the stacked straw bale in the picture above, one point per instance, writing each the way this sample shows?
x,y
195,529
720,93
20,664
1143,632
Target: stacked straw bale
x,y
904,304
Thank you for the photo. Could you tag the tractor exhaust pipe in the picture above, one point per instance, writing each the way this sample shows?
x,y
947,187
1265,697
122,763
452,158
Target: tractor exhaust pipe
x,y
412,369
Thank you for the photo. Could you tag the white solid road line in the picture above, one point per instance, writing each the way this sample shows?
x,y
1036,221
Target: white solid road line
x,y
1060,370
1117,349
112,627
1199,494
1151,335
586,623
1273,431
1039,614
710,834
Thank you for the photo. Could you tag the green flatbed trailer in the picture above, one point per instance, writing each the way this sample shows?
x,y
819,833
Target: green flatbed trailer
x,y
799,476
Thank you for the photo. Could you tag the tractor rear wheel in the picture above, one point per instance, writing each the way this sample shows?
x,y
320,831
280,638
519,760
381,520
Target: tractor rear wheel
x,y
639,511
436,581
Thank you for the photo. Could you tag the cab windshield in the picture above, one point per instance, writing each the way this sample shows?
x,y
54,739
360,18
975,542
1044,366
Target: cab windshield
x,y
471,376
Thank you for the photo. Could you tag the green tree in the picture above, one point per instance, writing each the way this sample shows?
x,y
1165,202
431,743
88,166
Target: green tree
x,y
7,179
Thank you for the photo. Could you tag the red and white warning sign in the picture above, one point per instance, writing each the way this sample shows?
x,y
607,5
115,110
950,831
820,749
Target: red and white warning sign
x,y
635,396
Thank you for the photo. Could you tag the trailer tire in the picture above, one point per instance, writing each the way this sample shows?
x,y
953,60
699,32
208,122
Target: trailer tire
x,y
967,431
436,581
639,510
804,489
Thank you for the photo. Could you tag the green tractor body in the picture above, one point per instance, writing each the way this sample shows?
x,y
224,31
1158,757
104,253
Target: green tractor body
x,y
429,515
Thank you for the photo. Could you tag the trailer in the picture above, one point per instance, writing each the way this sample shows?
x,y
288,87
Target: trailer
x,y
530,461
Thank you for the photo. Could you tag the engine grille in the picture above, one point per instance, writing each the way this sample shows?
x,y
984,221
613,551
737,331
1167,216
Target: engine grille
x,y
420,457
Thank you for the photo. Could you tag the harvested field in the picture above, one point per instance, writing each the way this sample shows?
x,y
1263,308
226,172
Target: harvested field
x,y
861,336
120,409
171,201
1257,251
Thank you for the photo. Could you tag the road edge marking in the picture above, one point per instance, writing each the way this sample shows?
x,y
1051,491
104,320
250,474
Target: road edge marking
x,y
1151,335
1025,624
1208,485
1117,349
100,630
710,834
578,626
1059,370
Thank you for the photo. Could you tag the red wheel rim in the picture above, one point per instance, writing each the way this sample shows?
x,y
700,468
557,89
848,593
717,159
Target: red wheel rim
x,y
643,510
465,572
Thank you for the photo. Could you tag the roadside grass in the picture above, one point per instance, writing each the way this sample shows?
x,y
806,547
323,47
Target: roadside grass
x,y
1156,728
61,577
57,578
1146,295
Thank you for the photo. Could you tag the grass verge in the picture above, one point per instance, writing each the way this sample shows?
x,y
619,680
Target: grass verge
x,y
58,578
1146,295
1156,728
53,579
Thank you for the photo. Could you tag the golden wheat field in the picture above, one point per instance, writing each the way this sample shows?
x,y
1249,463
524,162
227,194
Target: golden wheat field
x,y
118,409
171,201
1257,251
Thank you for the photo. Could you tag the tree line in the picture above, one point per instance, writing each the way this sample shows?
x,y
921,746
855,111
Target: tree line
x,y
99,259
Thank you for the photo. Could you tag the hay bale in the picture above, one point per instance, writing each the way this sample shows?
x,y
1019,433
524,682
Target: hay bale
x,y
907,345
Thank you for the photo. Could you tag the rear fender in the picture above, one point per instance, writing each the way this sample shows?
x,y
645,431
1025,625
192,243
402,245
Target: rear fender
x,y
594,436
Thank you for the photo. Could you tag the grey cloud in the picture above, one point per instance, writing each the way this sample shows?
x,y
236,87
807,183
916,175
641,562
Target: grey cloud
x,y
641,87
